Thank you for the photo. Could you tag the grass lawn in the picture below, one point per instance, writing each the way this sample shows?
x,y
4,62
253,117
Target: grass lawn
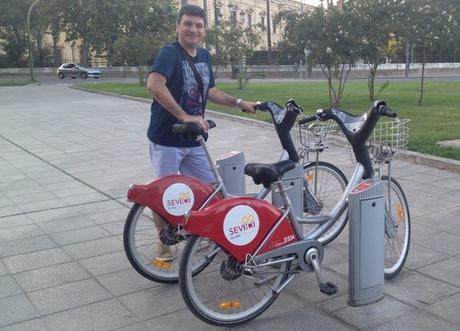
x,y
437,119
16,82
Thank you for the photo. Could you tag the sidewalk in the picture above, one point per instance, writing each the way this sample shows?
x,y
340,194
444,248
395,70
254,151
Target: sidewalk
x,y
66,160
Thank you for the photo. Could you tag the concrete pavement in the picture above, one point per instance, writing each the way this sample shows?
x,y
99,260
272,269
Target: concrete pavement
x,y
66,160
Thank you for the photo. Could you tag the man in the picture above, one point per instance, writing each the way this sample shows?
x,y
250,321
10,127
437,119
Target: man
x,y
181,96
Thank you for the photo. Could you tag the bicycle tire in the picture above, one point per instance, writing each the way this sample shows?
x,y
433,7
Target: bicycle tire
x,y
209,296
331,184
397,239
138,240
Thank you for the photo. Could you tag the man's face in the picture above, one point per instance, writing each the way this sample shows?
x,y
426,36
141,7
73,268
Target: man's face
x,y
191,31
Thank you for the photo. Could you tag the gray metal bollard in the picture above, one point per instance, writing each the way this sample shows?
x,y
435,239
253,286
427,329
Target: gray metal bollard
x,y
293,182
366,210
231,169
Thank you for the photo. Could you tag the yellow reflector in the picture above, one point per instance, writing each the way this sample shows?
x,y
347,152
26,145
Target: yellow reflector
x,y
229,305
399,211
161,264
309,178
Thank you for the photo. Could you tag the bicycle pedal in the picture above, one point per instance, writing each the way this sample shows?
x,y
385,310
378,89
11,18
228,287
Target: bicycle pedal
x,y
328,288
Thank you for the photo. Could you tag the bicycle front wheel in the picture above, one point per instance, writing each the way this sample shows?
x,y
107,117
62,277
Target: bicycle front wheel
x,y
139,237
226,293
397,228
327,183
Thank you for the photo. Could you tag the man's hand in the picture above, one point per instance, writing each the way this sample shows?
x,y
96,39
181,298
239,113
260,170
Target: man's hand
x,y
198,120
247,107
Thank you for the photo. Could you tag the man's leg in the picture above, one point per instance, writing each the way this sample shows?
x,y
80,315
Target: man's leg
x,y
196,164
165,161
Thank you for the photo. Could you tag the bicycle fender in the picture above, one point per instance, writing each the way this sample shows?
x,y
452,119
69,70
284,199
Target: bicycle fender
x,y
240,225
172,196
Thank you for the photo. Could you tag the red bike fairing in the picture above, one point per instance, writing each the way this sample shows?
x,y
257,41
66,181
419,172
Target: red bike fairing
x,y
172,196
240,224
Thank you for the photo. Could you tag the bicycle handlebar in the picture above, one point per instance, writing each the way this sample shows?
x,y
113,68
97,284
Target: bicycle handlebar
x,y
308,119
191,128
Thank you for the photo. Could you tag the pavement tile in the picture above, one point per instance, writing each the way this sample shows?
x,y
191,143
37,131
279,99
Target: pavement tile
x,y
12,210
55,214
419,290
115,228
36,260
420,256
371,316
110,216
447,270
98,207
106,263
13,221
100,316
79,235
448,309
26,245
16,309
65,224
32,325
43,205
3,269
9,286
94,247
441,242
63,297
154,302
125,281
55,275
419,321
19,232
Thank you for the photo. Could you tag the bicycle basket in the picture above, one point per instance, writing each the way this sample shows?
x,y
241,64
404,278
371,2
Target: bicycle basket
x,y
389,139
313,136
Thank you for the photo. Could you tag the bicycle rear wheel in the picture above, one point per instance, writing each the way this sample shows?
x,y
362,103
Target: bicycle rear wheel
x,y
225,293
397,228
327,183
139,236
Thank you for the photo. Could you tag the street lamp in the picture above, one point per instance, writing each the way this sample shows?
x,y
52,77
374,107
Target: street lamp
x,y
31,57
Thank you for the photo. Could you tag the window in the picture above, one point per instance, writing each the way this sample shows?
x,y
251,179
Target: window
x,y
249,20
233,18
262,21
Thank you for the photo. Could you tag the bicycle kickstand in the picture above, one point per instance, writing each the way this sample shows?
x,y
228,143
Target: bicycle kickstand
x,y
328,288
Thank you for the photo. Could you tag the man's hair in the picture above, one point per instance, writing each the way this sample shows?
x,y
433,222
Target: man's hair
x,y
191,10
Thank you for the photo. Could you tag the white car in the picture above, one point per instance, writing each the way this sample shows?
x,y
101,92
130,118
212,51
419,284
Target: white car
x,y
74,70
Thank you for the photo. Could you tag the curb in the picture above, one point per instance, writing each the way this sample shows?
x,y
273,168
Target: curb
x,y
410,156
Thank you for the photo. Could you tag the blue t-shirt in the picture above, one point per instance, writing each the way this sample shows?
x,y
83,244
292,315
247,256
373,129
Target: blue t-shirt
x,y
184,89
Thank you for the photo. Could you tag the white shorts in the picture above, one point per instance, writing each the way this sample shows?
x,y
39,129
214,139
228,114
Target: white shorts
x,y
188,161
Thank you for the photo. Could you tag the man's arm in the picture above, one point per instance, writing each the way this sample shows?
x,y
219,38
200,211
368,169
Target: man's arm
x,y
156,84
220,97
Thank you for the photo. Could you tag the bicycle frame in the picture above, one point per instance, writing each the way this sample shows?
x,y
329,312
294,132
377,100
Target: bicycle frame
x,y
271,239
184,192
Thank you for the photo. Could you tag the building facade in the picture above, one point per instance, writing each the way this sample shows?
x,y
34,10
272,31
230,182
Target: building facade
x,y
257,14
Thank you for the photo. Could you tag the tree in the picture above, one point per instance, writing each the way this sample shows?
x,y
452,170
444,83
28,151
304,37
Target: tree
x,y
425,23
147,25
330,39
13,32
231,45
375,22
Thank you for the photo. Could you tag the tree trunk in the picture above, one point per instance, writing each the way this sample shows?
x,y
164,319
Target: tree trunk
x,y
84,53
371,80
420,100
406,71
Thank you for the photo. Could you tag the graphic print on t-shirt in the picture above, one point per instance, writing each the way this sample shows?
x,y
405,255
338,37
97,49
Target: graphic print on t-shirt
x,y
191,98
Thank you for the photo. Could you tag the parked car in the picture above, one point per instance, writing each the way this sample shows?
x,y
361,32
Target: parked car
x,y
74,70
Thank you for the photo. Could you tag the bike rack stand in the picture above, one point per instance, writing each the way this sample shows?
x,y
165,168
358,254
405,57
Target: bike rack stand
x,y
231,169
293,182
366,212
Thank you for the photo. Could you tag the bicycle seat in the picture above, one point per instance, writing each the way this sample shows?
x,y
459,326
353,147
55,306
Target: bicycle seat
x,y
267,174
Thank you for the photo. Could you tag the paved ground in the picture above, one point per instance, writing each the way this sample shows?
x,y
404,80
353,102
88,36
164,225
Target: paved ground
x,y
66,160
